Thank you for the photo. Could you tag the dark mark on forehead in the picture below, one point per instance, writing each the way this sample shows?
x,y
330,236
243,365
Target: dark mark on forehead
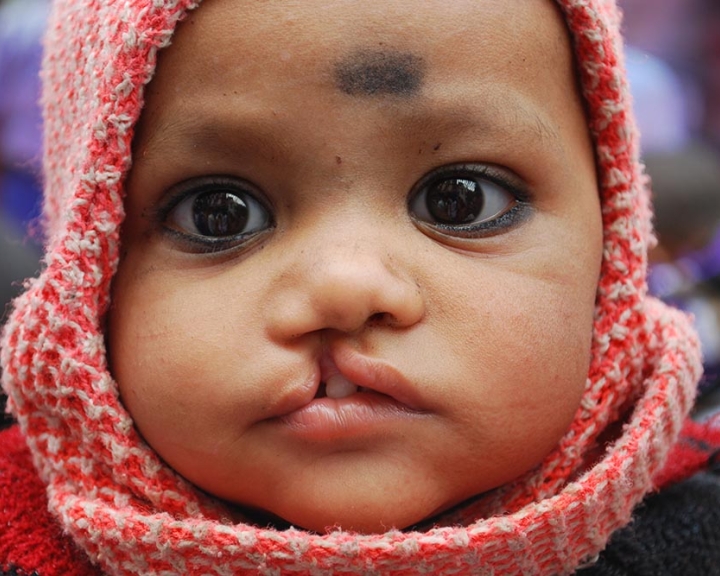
x,y
380,72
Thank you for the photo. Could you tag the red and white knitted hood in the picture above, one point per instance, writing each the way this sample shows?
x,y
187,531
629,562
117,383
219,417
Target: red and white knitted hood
x,y
134,515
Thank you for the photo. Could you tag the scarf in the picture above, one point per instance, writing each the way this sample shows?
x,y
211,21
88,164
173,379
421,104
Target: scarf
x,y
133,515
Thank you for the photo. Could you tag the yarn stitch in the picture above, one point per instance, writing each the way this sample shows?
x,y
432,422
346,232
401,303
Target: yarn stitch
x,y
134,515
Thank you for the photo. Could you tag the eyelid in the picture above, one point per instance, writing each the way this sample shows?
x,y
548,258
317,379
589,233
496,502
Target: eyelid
x,y
495,174
196,185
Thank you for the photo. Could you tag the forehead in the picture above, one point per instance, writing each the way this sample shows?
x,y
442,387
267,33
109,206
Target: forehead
x,y
467,26
345,41
508,60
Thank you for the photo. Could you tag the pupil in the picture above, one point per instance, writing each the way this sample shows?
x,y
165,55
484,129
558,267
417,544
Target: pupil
x,y
455,201
220,214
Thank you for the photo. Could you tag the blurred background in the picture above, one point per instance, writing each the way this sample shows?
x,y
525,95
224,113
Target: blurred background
x,y
674,66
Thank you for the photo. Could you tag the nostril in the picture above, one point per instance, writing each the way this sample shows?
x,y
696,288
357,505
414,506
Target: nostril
x,y
378,317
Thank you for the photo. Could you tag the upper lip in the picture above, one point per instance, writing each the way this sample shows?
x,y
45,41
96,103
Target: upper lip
x,y
373,374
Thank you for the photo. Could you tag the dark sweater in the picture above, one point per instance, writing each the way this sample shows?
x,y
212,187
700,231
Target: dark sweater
x,y
675,532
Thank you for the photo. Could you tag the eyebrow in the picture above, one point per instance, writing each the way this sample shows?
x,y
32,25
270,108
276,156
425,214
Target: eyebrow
x,y
209,132
380,72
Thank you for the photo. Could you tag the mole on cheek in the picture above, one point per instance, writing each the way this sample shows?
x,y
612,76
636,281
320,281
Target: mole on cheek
x,y
375,73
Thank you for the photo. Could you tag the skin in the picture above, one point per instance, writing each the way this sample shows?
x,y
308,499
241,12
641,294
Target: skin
x,y
489,331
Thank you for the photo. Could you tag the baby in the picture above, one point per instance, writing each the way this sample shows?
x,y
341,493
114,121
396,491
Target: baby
x,y
351,287
357,284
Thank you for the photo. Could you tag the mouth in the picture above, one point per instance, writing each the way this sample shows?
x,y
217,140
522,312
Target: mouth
x,y
354,396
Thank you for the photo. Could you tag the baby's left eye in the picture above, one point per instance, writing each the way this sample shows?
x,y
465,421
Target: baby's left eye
x,y
462,200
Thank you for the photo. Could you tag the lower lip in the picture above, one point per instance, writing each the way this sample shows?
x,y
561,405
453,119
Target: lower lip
x,y
362,413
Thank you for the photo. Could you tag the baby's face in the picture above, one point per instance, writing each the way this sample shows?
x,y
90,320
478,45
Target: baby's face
x,y
360,256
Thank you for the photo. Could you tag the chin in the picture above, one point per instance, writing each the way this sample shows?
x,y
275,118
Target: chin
x,y
354,513
360,491
355,521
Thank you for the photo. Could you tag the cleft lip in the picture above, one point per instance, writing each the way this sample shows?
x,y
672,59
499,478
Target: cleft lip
x,y
371,375
375,378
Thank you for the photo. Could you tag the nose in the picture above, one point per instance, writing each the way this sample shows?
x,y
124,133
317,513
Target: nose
x,y
345,287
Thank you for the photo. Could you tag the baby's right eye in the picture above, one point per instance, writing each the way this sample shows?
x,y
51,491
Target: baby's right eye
x,y
218,213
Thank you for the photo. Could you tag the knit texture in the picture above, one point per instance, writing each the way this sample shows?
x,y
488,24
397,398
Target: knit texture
x,y
134,515
31,541
677,531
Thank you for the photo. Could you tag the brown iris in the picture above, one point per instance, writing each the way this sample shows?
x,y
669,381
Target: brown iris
x,y
218,214
455,200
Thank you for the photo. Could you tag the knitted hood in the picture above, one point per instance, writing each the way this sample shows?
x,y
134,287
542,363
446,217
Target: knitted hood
x,y
134,515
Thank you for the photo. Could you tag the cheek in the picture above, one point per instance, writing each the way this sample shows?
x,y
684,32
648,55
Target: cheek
x,y
523,352
177,357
